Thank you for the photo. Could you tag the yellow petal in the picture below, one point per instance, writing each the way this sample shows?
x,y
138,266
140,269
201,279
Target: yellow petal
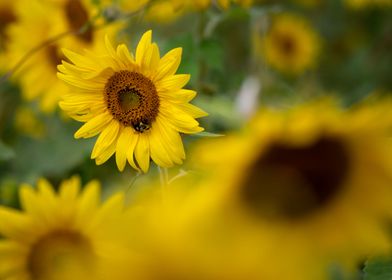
x,y
172,141
192,110
126,141
107,153
142,152
173,83
158,152
13,224
110,210
131,151
81,84
155,57
80,60
143,47
31,204
94,126
169,64
87,203
180,96
106,138
109,47
69,189
124,54
176,116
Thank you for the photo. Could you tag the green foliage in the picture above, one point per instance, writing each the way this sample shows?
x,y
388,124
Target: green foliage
x,y
378,269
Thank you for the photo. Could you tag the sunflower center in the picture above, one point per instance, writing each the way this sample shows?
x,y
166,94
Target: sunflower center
x,y
286,44
57,252
132,99
77,17
6,17
293,182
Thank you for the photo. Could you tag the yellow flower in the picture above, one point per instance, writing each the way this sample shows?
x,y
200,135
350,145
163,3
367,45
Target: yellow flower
x,y
360,4
37,75
7,17
204,4
164,11
125,5
224,4
290,45
310,186
308,3
57,236
136,104
26,122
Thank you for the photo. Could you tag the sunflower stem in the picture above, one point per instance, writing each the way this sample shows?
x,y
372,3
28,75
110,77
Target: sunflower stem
x,y
164,178
46,43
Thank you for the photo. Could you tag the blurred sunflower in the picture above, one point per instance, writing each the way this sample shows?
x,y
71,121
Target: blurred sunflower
x,y
360,4
164,11
204,4
167,11
125,5
37,75
137,105
7,17
57,236
291,45
315,179
27,122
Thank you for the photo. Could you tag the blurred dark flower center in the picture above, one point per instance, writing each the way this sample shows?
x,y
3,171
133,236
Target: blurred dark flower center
x,y
56,252
286,43
78,17
6,17
293,182
132,99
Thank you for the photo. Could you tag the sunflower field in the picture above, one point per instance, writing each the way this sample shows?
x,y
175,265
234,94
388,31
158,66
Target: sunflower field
x,y
196,139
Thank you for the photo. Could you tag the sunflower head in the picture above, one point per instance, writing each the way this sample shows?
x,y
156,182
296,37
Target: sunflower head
x,y
57,236
37,75
136,104
294,175
298,179
290,45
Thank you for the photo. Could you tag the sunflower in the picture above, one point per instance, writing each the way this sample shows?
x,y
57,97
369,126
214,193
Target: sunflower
x,y
125,5
137,105
7,17
204,4
310,186
291,45
164,11
37,75
27,123
360,4
57,236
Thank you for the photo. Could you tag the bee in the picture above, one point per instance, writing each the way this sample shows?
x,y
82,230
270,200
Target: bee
x,y
141,126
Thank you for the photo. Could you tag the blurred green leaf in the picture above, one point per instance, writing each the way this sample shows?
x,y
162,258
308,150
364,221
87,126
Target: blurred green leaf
x,y
6,153
207,134
53,155
212,53
378,269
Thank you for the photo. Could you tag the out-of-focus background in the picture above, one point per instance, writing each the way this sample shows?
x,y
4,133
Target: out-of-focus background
x,y
242,57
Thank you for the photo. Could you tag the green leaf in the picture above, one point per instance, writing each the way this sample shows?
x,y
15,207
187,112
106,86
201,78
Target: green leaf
x,y
53,155
207,134
378,269
6,152
212,52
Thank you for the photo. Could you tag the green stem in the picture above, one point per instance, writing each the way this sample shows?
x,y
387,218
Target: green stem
x,y
164,178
